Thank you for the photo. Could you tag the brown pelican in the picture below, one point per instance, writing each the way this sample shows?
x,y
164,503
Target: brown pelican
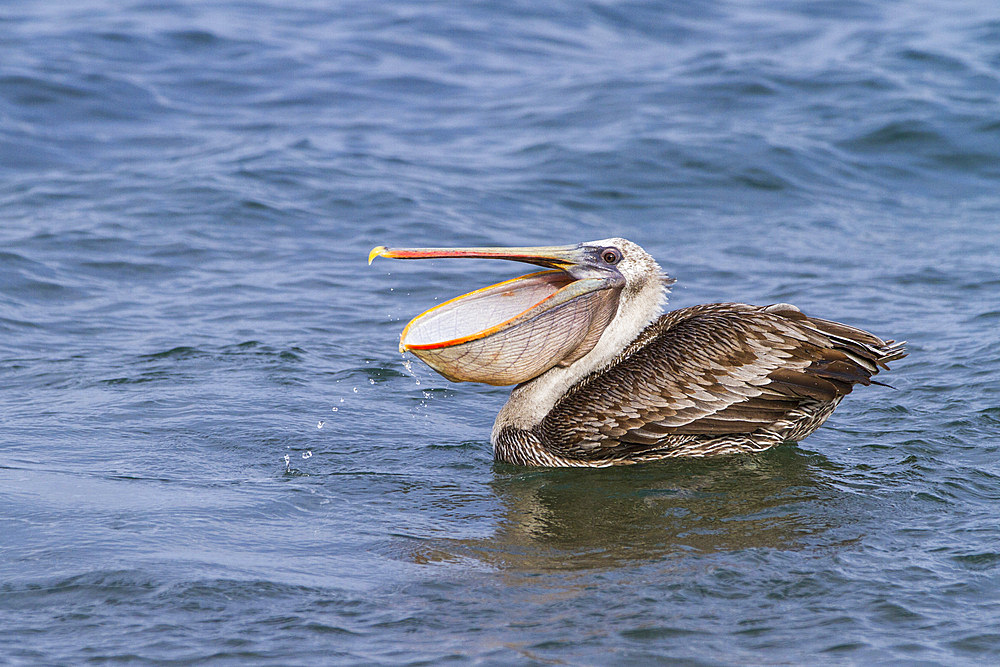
x,y
605,378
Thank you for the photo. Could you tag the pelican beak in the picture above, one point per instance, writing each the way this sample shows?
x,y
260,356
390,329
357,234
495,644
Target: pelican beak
x,y
517,329
553,257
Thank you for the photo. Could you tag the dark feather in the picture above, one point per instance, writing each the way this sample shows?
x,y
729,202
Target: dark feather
x,y
701,375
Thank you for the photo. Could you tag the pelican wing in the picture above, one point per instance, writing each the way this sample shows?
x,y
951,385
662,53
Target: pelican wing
x,y
711,370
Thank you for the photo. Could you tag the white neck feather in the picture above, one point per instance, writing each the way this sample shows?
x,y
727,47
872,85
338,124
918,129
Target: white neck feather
x,y
530,402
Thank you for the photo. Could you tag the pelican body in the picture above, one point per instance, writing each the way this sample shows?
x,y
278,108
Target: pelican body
x,y
603,377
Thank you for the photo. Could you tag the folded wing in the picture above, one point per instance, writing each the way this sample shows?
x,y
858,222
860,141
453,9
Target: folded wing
x,y
713,370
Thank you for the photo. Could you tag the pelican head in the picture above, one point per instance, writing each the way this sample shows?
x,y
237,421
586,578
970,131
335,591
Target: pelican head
x,y
516,330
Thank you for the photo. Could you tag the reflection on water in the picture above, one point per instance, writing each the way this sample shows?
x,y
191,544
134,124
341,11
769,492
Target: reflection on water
x,y
575,519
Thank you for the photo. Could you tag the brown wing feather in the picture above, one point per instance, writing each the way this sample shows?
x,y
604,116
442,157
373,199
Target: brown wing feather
x,y
711,370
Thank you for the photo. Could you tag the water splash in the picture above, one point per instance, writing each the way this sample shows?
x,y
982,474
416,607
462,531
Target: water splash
x,y
408,365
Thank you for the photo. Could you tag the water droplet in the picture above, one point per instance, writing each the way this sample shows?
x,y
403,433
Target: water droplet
x,y
307,454
320,424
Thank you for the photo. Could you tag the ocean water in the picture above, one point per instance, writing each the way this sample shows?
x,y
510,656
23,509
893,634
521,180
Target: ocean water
x,y
211,451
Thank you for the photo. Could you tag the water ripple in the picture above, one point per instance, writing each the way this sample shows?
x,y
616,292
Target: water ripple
x,y
189,195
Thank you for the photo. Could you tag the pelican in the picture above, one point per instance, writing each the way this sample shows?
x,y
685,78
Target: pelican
x,y
603,377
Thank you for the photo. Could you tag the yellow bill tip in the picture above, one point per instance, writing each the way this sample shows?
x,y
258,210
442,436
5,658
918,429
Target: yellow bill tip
x,y
376,252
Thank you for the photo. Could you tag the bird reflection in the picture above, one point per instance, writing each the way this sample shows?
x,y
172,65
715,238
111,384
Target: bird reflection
x,y
572,519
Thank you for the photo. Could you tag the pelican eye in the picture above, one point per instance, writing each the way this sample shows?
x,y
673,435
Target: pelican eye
x,y
611,255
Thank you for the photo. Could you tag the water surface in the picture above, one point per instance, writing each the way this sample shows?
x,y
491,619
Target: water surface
x,y
212,451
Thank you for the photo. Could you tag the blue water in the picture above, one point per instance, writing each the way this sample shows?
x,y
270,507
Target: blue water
x,y
213,453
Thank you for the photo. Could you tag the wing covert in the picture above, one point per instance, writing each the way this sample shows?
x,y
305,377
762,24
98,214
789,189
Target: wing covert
x,y
709,370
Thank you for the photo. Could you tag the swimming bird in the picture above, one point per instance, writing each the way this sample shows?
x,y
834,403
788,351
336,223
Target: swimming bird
x,y
603,377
